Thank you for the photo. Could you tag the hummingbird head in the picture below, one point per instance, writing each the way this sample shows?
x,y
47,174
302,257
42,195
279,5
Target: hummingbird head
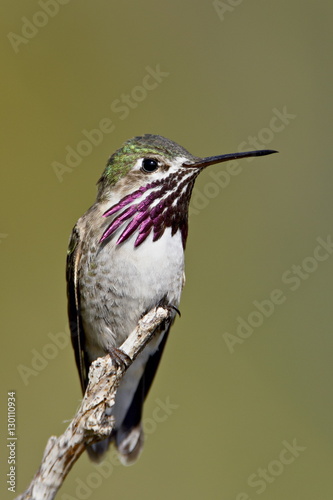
x,y
154,177
142,160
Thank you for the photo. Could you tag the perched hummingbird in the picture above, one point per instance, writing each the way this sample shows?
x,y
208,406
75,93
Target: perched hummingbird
x,y
125,257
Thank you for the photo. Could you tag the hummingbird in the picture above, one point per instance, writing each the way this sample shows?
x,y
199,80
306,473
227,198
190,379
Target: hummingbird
x,y
125,257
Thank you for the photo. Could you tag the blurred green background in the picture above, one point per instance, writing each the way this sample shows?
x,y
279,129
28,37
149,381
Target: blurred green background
x,y
227,69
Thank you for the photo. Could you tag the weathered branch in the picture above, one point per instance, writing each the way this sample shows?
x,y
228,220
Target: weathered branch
x,y
90,424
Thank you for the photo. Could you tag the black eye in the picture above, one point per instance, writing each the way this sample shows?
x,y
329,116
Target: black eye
x,y
149,165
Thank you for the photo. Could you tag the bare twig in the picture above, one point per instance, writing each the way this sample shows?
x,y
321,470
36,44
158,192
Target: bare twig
x,y
90,424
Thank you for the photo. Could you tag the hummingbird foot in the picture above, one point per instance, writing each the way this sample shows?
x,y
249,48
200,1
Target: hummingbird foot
x,y
165,303
119,358
174,308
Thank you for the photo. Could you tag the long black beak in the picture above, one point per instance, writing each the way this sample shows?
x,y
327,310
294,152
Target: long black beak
x,y
211,160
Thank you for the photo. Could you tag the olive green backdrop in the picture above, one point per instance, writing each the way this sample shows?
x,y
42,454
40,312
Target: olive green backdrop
x,y
236,412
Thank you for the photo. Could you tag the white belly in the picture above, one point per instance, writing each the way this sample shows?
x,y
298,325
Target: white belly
x,y
127,283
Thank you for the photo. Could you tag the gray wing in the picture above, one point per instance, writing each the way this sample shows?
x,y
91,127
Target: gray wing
x,y
74,315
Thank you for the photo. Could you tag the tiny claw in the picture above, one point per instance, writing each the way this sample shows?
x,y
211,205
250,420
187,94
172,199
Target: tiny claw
x,y
175,309
164,303
119,358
